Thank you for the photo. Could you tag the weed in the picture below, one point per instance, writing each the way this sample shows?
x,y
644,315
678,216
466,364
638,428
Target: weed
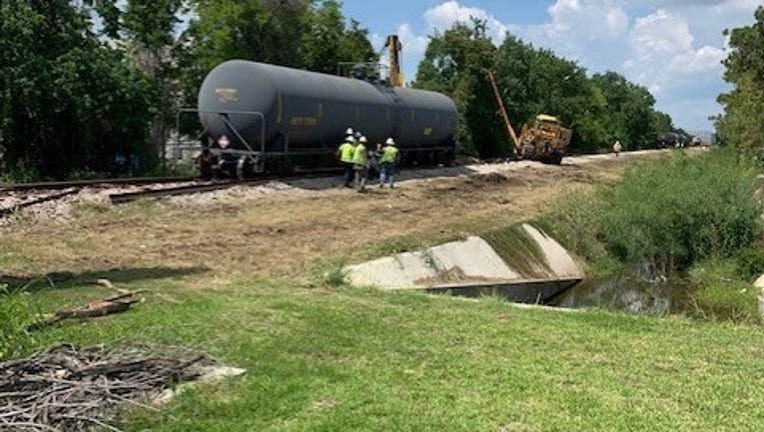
x,y
517,248
16,313
430,260
726,302
91,206
331,272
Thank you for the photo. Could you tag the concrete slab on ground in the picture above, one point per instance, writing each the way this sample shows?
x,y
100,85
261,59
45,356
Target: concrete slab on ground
x,y
473,264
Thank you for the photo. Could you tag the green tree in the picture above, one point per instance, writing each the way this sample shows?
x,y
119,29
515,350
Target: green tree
x,y
329,41
742,124
312,35
455,63
67,100
533,81
148,32
536,81
631,117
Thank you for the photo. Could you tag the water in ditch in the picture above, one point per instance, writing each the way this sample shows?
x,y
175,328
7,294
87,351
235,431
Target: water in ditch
x,y
630,294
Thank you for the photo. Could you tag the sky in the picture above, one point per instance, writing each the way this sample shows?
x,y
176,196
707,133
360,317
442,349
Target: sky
x,y
674,48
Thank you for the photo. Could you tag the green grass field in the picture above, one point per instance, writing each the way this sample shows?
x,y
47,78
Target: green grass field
x,y
336,359
324,356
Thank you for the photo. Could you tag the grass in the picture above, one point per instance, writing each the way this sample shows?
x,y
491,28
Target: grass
x,y
17,311
724,294
348,359
515,246
323,356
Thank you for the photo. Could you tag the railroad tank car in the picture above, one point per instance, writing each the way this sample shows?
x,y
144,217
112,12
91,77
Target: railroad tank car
x,y
275,118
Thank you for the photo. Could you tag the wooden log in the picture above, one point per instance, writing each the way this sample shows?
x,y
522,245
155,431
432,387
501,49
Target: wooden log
x,y
112,304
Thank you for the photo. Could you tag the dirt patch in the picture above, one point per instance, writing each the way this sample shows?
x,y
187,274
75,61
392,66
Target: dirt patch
x,y
493,178
278,231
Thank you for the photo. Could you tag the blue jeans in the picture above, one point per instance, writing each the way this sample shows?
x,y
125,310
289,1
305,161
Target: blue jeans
x,y
387,173
348,175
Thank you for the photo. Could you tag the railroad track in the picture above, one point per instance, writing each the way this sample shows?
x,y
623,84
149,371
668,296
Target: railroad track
x,y
63,189
121,198
126,197
58,185
39,200
30,194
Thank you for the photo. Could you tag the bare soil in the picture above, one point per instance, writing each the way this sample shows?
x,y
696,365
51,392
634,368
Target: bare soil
x,y
285,229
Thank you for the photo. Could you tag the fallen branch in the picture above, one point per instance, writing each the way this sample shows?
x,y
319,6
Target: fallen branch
x,y
114,303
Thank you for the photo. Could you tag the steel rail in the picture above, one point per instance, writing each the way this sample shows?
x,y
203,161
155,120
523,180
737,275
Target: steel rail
x,y
18,206
96,182
122,198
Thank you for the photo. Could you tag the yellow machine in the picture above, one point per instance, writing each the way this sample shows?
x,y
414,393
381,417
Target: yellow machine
x,y
544,140
394,46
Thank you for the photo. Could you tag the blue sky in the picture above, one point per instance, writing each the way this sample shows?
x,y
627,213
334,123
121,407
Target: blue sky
x,y
671,47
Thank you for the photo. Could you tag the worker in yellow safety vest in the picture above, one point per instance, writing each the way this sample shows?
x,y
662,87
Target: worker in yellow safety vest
x,y
390,158
361,164
345,154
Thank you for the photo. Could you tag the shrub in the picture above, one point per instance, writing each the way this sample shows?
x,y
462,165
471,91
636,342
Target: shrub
x,y
681,210
750,262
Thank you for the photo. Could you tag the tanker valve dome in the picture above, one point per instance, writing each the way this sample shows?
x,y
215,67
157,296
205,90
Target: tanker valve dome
x,y
360,72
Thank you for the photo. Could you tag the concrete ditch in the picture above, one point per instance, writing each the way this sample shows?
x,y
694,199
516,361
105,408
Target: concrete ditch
x,y
759,284
521,264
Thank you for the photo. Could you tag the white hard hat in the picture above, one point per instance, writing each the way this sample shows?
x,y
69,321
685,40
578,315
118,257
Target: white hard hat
x,y
349,138
363,139
349,131
358,134
390,141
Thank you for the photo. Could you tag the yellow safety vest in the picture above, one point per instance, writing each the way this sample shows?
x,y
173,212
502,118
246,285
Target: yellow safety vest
x,y
346,152
360,157
389,154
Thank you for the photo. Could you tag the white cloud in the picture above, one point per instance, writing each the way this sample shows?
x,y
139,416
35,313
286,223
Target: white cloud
x,y
661,33
672,47
703,60
443,16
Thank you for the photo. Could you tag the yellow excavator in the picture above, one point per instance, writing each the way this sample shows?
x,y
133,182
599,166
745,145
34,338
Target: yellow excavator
x,y
544,140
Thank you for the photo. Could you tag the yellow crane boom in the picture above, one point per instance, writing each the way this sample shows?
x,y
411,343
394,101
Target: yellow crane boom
x,y
504,115
394,46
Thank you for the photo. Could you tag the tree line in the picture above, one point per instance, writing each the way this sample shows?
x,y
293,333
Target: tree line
x,y
84,80
742,123
599,109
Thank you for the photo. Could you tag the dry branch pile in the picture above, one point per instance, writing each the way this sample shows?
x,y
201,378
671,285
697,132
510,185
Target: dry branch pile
x,y
67,388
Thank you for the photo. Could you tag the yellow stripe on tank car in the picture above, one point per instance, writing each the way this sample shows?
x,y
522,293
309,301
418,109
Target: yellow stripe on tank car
x,y
278,108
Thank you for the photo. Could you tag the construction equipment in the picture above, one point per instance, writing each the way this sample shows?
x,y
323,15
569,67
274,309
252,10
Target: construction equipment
x,y
394,46
544,140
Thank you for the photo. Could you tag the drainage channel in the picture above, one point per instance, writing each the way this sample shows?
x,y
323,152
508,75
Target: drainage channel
x,y
527,291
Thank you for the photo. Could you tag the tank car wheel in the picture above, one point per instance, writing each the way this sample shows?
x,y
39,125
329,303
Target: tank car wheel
x,y
244,168
205,169
448,158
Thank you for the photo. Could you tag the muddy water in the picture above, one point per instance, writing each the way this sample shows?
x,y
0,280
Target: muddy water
x,y
630,294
